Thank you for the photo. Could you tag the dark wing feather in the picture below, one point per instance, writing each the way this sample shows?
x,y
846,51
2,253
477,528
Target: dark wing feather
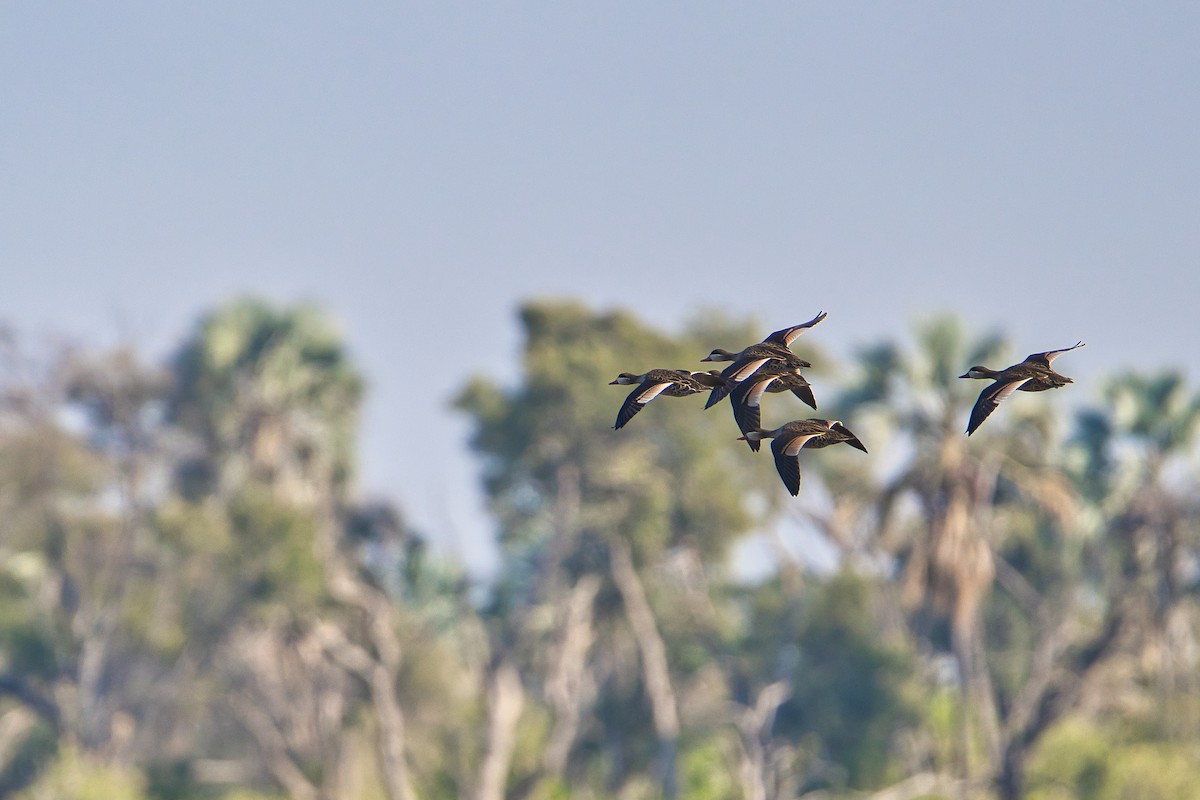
x,y
805,393
645,392
848,437
787,335
990,398
837,434
787,466
716,395
746,410
1044,359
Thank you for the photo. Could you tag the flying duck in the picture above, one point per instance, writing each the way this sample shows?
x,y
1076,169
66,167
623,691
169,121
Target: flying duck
x,y
1034,374
671,382
788,440
749,359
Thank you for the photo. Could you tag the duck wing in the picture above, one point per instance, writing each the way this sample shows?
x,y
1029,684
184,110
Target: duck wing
x,y
991,397
837,434
787,335
744,367
745,399
788,466
846,436
646,391
801,388
1044,359
786,448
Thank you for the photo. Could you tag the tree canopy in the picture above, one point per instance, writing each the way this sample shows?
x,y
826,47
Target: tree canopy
x,y
198,603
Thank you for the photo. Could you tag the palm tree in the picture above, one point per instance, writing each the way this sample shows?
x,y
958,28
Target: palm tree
x,y
951,510
1135,461
271,396
1114,583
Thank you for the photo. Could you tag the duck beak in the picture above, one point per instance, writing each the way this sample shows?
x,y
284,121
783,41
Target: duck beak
x,y
613,383
706,358
965,375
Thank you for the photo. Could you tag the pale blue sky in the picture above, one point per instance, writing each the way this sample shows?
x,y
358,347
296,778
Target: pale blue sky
x,y
421,168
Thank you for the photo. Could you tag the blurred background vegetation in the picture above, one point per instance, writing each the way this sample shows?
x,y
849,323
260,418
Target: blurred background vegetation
x,y
196,603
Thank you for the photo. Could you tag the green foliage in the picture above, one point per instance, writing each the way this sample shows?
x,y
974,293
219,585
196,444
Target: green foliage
x,y
40,466
1153,771
274,552
246,555
850,689
77,776
272,386
135,608
1071,761
850,686
672,476
28,650
248,794
1156,409
705,770
1079,759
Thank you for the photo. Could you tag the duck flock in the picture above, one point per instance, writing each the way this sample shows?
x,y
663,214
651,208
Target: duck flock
x,y
771,366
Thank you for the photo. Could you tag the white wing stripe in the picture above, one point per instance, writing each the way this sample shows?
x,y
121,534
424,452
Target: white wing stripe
x,y
652,392
749,369
796,444
1007,391
757,390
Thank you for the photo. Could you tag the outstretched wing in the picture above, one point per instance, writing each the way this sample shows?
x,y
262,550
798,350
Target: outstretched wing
x,y
788,466
744,368
846,435
786,449
837,434
1044,359
787,335
637,400
803,390
989,398
745,399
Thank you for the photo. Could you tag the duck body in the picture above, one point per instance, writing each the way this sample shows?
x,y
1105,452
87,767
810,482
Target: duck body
x,y
669,382
1034,374
788,440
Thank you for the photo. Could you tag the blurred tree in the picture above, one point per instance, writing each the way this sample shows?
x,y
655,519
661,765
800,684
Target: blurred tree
x,y
959,515
194,604
947,563
1100,580
1135,459
44,471
583,511
271,396
1012,514
849,696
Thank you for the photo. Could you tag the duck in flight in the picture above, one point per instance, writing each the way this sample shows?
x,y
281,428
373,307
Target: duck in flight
x,y
1034,374
670,382
748,360
788,440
